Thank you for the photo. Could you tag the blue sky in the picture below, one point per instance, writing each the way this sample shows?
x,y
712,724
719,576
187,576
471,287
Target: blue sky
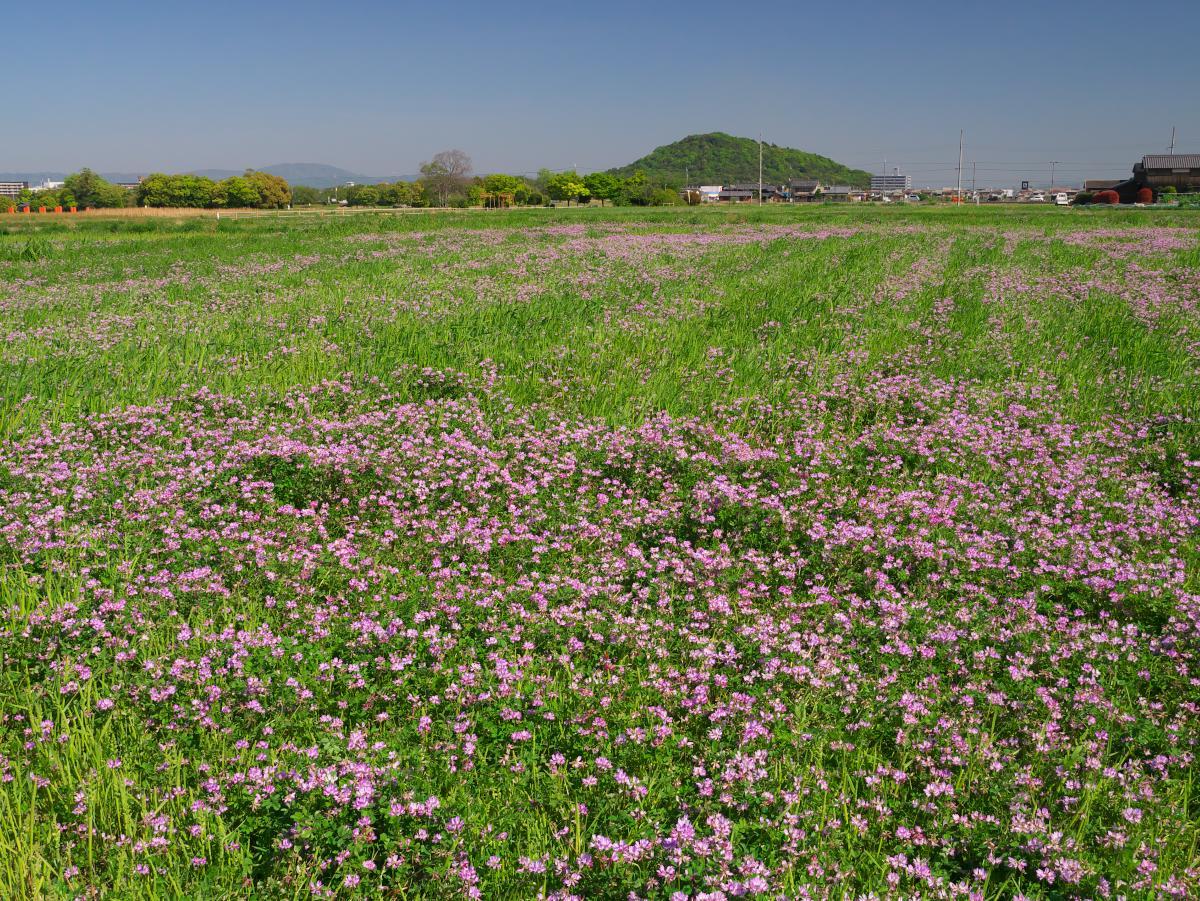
x,y
377,87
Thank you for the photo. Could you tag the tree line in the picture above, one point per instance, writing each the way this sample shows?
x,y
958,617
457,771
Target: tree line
x,y
259,190
446,180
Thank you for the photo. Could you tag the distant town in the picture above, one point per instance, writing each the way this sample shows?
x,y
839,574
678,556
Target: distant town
x,y
1153,176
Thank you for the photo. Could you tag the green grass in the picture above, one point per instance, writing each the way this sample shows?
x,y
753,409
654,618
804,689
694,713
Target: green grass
x,y
175,337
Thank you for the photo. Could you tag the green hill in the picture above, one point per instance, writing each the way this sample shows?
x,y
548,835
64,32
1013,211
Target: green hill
x,y
718,158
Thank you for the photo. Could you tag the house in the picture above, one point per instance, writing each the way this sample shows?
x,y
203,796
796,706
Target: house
x,y
737,195
803,190
1092,185
1157,171
1161,170
770,193
841,194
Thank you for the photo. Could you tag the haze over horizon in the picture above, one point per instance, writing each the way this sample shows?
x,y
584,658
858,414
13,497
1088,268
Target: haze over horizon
x,y
377,88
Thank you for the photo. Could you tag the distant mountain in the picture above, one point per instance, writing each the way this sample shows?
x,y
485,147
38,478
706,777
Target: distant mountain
x,y
718,158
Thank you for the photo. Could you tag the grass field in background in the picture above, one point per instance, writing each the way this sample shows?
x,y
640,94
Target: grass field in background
x,y
688,554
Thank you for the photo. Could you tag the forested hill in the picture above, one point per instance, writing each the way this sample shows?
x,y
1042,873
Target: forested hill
x,y
718,158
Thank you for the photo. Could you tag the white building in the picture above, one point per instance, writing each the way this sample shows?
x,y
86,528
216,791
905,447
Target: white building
x,y
710,193
896,183
48,185
12,189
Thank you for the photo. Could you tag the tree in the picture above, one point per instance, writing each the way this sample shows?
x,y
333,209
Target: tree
x,y
500,190
636,190
89,189
303,195
446,174
566,186
366,195
235,192
602,185
274,192
176,191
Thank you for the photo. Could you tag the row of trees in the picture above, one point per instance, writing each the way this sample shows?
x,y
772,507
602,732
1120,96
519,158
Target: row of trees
x,y
634,190
87,189
259,190
447,180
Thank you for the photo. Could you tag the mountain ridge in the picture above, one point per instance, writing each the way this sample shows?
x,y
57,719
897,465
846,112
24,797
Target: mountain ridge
x,y
720,158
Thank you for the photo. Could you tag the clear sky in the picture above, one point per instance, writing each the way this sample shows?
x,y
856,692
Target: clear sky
x,y
377,87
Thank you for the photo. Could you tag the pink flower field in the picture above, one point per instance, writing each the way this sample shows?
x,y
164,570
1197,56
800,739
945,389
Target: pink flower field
x,y
835,556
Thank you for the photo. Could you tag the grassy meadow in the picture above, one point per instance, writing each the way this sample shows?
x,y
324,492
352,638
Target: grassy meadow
x,y
694,554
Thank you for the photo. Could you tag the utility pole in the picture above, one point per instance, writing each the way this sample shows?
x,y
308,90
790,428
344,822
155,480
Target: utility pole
x,y
1172,139
1053,163
958,190
760,168
972,177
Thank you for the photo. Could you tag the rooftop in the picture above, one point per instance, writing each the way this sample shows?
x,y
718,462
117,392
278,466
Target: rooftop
x,y
1171,161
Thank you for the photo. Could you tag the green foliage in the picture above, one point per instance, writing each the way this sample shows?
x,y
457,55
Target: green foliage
x,y
718,158
303,195
273,191
501,184
498,190
398,194
254,189
32,250
159,190
1082,198
365,195
236,192
636,190
602,185
664,197
566,186
89,189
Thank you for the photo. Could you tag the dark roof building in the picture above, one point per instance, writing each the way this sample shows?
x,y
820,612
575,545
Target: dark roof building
x,y
841,193
737,194
1161,170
